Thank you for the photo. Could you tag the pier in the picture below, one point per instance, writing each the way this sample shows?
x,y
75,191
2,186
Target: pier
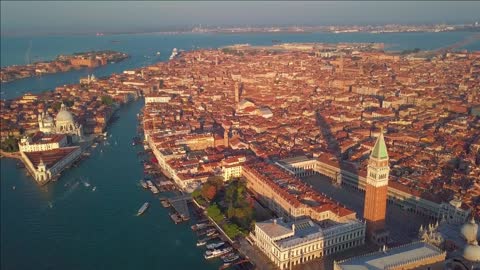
x,y
179,203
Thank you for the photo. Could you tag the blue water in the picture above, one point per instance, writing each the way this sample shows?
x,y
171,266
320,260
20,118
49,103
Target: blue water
x,y
68,226
73,227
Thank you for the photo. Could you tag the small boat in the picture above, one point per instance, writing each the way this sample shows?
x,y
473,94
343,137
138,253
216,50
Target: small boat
x,y
215,245
210,233
210,254
13,187
201,243
165,203
158,53
154,189
199,226
174,53
176,218
230,257
94,188
143,208
143,184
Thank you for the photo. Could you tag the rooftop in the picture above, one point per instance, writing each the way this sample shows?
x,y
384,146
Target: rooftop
x,y
391,257
50,157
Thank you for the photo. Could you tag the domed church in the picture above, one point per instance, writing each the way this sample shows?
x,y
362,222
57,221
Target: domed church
x,y
64,124
469,259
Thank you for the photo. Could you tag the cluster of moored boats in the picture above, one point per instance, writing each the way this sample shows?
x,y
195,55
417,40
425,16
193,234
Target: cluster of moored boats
x,y
149,185
209,237
214,249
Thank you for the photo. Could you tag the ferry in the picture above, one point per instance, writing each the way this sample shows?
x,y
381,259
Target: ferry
x,y
230,257
143,184
143,208
210,254
215,245
174,53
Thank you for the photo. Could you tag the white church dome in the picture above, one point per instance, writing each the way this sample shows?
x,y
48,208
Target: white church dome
x,y
470,230
64,115
472,252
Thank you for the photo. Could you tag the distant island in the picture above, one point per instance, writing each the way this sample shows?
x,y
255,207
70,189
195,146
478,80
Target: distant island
x,y
374,29
62,63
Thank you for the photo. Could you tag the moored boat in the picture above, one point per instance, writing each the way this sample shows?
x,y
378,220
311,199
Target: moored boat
x,y
228,258
201,243
210,254
154,189
215,245
199,226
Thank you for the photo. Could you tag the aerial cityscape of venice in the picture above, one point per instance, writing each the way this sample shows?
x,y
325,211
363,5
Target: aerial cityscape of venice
x,y
240,135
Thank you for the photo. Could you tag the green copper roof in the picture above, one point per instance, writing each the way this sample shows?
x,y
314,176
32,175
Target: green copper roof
x,y
380,149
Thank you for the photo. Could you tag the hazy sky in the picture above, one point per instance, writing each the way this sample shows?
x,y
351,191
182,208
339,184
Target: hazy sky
x,y
24,17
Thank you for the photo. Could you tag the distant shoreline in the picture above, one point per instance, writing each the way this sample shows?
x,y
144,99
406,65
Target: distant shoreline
x,y
384,29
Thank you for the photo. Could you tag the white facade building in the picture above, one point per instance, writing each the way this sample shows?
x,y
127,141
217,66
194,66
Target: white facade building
x,y
157,98
40,142
288,244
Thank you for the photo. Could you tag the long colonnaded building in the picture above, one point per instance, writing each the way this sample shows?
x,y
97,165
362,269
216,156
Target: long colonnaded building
x,y
311,224
453,211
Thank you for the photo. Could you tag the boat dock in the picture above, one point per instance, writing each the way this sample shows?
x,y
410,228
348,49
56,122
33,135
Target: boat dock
x,y
179,203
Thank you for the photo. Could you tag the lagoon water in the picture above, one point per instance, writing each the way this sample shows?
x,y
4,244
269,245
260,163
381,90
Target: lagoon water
x,y
67,225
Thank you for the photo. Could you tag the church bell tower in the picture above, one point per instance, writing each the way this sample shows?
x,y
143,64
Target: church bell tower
x,y
376,192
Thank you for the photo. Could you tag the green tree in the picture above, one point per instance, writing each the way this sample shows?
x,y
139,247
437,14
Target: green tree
x,y
214,212
56,106
68,102
107,100
10,144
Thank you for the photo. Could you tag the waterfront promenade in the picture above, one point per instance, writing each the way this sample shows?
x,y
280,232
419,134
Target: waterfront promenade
x,y
15,155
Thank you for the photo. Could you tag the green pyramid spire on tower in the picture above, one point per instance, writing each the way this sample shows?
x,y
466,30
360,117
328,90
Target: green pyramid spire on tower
x,y
380,149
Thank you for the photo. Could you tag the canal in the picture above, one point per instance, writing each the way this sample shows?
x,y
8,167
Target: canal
x,y
69,224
